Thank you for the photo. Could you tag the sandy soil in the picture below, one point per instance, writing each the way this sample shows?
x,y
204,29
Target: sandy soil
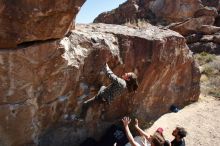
x,y
200,119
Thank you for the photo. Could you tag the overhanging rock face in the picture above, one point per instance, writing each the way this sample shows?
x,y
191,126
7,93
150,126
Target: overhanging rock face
x,y
25,21
43,83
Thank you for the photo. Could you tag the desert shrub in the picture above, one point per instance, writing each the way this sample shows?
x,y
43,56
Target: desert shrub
x,y
141,23
204,57
214,84
216,65
210,66
208,70
215,92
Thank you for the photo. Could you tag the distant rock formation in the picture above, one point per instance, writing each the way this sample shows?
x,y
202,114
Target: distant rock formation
x,y
187,17
155,11
25,21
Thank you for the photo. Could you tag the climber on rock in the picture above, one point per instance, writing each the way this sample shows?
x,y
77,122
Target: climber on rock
x,y
128,83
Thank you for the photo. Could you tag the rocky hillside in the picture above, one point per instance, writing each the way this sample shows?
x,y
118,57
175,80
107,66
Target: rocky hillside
x,y
44,80
198,21
160,11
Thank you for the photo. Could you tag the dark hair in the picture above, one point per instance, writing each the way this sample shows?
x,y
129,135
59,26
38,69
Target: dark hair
x,y
181,132
132,83
166,143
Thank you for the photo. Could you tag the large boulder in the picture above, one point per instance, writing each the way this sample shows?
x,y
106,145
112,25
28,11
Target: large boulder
x,y
194,25
25,21
119,15
183,16
206,11
45,82
155,10
175,11
208,29
129,11
27,101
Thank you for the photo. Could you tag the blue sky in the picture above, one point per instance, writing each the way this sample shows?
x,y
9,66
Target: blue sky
x,y
92,8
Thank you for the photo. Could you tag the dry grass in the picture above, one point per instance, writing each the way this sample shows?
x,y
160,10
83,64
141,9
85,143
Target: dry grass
x,y
215,87
203,58
210,67
140,23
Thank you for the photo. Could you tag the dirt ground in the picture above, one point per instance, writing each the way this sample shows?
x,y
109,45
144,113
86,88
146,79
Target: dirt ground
x,y
200,119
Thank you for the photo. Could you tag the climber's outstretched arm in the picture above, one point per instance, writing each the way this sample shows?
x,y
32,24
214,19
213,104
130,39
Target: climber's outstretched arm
x,y
109,73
